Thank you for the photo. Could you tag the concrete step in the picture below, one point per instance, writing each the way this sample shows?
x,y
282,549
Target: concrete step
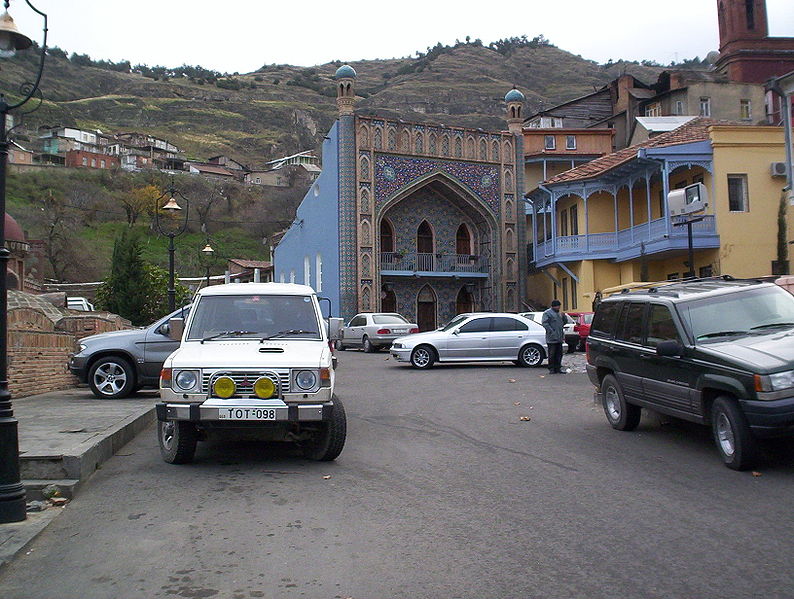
x,y
34,487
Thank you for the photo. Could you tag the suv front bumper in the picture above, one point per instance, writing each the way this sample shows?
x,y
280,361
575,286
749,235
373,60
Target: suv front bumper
x,y
247,412
771,418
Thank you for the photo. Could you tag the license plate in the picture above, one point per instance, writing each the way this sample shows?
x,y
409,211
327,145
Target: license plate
x,y
246,413
400,330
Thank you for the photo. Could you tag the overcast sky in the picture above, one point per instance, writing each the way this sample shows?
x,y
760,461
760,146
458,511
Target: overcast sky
x,y
242,35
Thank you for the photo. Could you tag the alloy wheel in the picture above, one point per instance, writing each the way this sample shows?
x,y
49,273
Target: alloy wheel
x,y
110,378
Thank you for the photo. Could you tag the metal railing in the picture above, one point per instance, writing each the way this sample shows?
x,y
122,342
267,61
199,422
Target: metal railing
x,y
423,262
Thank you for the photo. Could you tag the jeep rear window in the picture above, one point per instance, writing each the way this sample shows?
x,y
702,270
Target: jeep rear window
x,y
251,316
743,312
605,318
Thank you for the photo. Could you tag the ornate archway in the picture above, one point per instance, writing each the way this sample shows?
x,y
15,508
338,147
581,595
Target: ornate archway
x,y
426,303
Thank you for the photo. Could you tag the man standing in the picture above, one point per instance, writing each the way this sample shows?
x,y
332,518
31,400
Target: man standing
x,y
553,322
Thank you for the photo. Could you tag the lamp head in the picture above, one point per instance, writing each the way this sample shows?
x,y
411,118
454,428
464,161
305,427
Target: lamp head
x,y
11,39
208,251
171,206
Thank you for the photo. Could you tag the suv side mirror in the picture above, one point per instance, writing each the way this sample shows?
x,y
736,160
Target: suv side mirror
x,y
335,328
669,348
174,328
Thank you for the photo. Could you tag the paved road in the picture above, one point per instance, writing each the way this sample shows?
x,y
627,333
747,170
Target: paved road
x,y
442,492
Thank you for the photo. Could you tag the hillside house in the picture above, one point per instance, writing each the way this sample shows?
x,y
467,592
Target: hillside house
x,y
83,159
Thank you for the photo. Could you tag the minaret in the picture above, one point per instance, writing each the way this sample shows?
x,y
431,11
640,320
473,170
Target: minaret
x,y
515,103
345,89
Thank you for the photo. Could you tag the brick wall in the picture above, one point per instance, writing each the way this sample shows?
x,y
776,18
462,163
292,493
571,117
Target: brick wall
x,y
38,349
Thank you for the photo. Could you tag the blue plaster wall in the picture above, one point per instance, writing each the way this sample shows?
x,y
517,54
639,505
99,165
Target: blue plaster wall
x,y
316,230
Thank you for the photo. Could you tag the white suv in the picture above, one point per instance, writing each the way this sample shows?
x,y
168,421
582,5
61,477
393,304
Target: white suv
x,y
255,361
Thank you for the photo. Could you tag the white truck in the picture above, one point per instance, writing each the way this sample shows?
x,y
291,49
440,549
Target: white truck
x,y
255,361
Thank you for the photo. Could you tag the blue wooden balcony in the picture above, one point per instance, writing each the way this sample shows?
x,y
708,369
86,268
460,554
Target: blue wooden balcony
x,y
648,238
433,265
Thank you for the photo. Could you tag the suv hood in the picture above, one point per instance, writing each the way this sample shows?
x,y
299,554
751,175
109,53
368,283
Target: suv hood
x,y
763,353
239,353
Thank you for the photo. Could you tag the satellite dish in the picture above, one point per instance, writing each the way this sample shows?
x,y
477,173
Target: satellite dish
x,y
712,57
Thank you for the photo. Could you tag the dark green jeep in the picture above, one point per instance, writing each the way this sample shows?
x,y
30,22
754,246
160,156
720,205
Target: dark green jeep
x,y
715,351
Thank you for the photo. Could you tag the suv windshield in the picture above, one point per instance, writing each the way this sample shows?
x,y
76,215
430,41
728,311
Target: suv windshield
x,y
739,313
255,316
388,319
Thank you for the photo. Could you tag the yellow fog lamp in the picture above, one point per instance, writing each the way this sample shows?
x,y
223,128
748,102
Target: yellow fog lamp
x,y
264,388
224,387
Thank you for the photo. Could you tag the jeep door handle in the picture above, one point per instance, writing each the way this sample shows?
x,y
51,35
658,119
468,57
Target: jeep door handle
x,y
646,356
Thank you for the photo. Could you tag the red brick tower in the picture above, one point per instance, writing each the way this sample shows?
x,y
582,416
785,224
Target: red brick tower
x,y
747,53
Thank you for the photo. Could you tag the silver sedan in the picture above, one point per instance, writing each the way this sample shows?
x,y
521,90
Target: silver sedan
x,y
374,330
476,337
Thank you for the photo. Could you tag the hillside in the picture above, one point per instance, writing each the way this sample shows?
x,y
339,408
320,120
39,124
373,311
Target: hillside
x,y
281,109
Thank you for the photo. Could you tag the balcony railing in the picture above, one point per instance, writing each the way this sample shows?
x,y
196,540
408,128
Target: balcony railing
x,y
626,243
442,263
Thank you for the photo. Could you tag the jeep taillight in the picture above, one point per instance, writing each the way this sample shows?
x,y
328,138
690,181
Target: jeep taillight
x,y
587,350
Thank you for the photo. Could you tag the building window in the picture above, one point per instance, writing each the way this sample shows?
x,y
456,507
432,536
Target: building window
x,y
85,161
745,110
573,294
550,142
673,276
565,293
318,272
679,107
570,142
654,109
307,271
705,106
281,278
574,220
292,276
102,163
750,10
706,271
564,223
737,193
258,180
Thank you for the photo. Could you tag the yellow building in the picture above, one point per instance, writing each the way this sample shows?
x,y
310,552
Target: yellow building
x,y
606,223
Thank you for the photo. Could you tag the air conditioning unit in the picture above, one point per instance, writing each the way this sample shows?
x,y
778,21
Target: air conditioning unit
x,y
778,169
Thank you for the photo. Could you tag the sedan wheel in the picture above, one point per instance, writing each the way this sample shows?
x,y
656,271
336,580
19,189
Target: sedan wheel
x,y
531,356
111,378
367,345
422,357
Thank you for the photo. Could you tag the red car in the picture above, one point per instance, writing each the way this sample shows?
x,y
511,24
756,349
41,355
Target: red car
x,y
582,326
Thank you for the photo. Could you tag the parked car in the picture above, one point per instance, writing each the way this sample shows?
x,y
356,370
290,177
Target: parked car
x,y
79,303
373,331
475,337
571,336
718,352
117,363
582,322
254,362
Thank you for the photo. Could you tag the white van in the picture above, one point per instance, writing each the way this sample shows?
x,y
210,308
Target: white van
x,y
255,360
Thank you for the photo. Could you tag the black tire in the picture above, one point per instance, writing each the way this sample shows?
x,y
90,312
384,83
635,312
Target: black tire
x,y
329,441
423,357
339,345
622,415
734,439
531,355
177,441
367,346
111,377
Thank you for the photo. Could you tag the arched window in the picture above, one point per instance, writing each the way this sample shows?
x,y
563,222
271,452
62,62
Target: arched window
x,y
392,139
366,266
366,304
386,236
465,301
470,147
509,271
424,238
364,168
463,241
366,233
458,147
511,299
508,150
509,241
509,209
432,142
445,145
495,151
419,144
363,136
483,150
364,199
405,142
378,138
508,181
318,272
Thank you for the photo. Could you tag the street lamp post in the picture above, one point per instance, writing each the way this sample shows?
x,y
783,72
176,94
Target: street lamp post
x,y
208,252
172,209
12,493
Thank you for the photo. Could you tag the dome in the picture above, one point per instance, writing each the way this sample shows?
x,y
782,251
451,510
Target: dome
x,y
514,96
13,230
345,71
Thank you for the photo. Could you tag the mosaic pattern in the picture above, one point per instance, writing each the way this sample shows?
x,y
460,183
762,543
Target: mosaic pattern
x,y
348,254
393,173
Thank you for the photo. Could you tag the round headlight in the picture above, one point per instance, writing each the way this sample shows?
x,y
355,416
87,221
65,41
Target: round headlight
x,y
186,379
224,387
306,379
264,388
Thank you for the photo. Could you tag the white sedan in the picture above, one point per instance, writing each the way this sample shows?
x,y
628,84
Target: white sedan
x,y
475,337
